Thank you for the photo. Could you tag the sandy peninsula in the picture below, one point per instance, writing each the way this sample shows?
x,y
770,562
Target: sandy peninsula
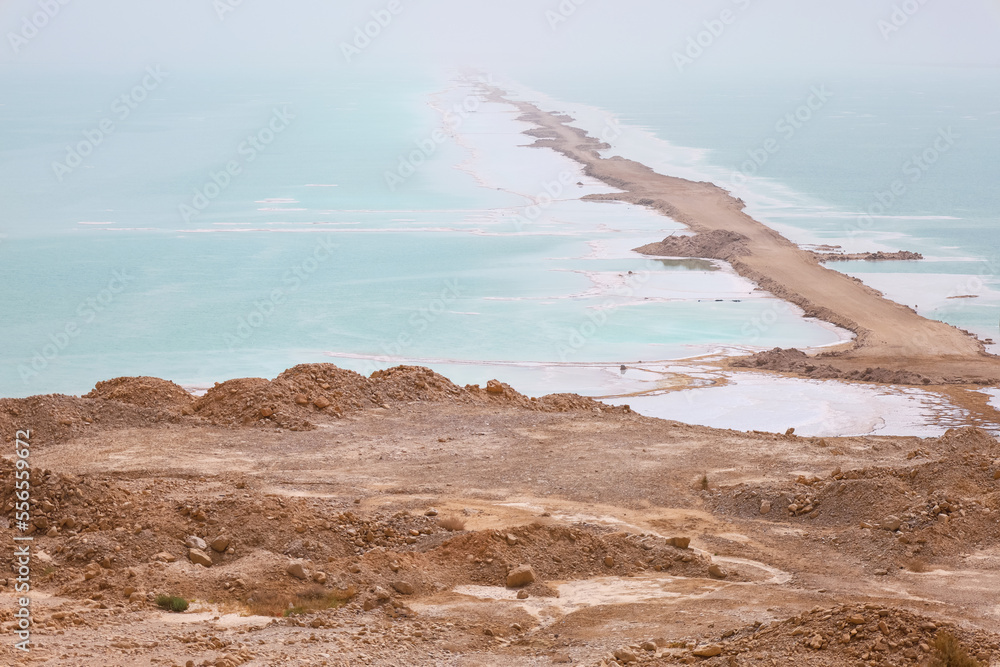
x,y
889,335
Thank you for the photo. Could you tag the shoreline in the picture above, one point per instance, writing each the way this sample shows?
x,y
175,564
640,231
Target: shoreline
x,y
888,334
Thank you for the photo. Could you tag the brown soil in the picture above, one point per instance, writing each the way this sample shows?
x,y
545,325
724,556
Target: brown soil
x,y
408,505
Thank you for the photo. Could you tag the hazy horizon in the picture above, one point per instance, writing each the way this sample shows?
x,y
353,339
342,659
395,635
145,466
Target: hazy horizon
x,y
241,34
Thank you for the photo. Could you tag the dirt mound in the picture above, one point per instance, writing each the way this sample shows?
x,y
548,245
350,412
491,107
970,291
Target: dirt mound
x,y
797,361
53,418
877,256
846,635
146,392
413,383
312,392
716,244
945,501
288,401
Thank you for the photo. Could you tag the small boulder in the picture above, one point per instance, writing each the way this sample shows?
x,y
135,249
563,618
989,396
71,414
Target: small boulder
x,y
265,413
523,595
680,542
511,539
765,507
709,651
301,399
520,576
297,569
891,523
319,577
717,572
199,557
626,656
381,594
164,557
220,544
322,402
609,561
195,542
494,387
403,587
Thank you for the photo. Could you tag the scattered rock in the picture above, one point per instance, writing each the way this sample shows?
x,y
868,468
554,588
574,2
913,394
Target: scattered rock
x,y
609,561
403,587
891,523
765,507
523,595
322,402
680,542
164,557
195,542
301,399
494,387
717,572
520,576
199,557
220,544
709,651
511,539
626,656
297,570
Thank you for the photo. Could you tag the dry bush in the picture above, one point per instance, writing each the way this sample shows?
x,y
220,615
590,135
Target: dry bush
x,y
452,523
313,598
948,652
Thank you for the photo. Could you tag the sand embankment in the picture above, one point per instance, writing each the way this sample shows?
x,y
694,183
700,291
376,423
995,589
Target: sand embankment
x,y
889,334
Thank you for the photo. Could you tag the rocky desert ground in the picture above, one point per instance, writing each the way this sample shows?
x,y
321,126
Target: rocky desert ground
x,y
325,518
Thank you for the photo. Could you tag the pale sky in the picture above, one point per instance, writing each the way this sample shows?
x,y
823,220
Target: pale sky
x,y
494,33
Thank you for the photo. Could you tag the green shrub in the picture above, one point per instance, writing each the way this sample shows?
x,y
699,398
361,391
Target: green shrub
x,y
171,603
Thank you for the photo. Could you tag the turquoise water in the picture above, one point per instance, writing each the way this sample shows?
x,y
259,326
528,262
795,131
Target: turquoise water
x,y
307,253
